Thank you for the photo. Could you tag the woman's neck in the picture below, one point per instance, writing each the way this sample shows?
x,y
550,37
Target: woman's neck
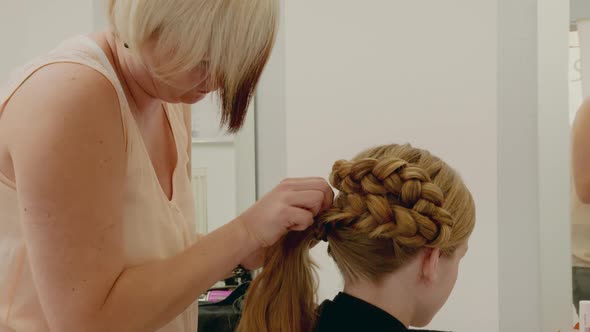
x,y
393,298
135,80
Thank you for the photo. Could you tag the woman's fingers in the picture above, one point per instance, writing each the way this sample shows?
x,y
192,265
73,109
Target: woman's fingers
x,y
311,200
308,184
299,219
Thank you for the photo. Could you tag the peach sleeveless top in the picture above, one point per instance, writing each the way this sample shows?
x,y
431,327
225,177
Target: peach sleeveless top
x,y
154,226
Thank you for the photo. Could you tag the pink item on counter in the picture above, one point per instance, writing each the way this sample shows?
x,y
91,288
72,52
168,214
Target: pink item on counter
x,y
218,295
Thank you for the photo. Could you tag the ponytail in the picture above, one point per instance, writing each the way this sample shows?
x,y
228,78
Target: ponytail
x,y
283,297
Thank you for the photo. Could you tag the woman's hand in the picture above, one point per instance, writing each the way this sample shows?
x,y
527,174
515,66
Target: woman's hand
x,y
291,206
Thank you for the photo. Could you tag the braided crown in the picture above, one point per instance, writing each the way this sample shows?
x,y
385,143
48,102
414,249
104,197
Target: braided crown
x,y
388,198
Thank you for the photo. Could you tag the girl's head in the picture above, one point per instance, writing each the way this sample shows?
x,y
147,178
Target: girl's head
x,y
401,216
192,47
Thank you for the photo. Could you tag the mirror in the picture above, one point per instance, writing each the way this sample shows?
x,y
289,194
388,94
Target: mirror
x,y
223,167
579,83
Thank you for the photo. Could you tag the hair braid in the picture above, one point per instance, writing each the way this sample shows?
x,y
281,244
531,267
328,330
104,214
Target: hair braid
x,y
388,198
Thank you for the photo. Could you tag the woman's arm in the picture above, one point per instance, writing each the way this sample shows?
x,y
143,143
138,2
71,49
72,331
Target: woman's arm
x,y
581,152
70,169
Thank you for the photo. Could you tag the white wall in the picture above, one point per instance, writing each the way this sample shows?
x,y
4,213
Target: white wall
x,y
100,14
28,28
422,72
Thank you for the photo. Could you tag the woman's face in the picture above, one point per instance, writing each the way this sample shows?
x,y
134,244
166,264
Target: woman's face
x,y
186,87
440,287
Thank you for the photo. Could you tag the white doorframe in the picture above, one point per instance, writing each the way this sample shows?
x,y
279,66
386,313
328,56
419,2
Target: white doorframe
x,y
554,164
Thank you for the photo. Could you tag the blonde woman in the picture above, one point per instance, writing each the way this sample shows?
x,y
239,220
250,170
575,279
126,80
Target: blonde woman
x,y
397,232
96,230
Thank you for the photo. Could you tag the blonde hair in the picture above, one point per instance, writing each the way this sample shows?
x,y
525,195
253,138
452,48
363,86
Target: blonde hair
x,y
233,38
394,200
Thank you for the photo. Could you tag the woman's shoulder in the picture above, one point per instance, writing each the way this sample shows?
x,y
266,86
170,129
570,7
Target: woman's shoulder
x,y
60,100
64,83
62,89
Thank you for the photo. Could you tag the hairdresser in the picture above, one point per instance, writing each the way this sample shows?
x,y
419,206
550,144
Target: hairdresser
x,y
96,213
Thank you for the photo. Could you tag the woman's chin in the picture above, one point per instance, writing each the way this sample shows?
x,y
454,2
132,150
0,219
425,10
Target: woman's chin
x,y
192,99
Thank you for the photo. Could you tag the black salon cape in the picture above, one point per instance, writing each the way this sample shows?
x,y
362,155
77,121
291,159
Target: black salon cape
x,y
347,313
